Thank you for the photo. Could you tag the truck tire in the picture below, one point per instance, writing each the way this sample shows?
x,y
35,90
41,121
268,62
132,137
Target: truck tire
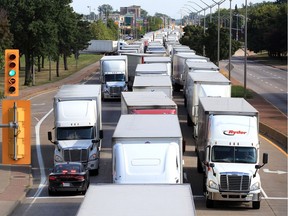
x,y
204,185
199,166
50,192
176,87
256,204
189,121
209,203
94,172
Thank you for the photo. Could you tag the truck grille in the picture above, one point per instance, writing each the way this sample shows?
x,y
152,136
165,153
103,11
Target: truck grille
x,y
115,91
234,182
76,155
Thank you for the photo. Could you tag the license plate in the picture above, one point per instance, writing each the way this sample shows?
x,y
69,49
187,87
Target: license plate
x,y
66,184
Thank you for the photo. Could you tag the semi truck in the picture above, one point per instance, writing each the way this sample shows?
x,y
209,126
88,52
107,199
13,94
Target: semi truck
x,y
147,103
133,60
78,125
178,67
159,59
113,76
228,150
196,66
147,149
199,85
152,69
107,47
138,199
152,84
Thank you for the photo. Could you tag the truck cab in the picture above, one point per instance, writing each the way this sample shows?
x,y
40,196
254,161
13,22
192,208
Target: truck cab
x,y
78,125
113,76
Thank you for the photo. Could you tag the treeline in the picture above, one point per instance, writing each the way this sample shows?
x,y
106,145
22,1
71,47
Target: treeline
x,y
266,30
51,29
42,28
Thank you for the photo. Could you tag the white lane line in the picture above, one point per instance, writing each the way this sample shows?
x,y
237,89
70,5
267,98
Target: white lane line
x,y
263,192
275,198
58,197
40,161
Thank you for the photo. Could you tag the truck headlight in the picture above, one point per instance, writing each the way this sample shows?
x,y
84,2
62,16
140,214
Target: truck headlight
x,y
57,158
255,186
212,184
93,157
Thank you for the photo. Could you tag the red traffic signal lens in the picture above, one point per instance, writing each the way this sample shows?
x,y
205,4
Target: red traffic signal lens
x,y
12,89
12,64
12,57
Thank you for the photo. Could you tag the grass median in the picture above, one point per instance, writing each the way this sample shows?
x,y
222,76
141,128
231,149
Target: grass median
x,y
48,72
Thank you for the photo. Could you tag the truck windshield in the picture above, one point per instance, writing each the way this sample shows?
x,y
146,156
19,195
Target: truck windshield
x,y
74,133
114,77
231,154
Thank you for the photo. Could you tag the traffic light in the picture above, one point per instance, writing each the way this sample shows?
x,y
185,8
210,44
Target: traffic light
x,y
16,132
16,147
11,85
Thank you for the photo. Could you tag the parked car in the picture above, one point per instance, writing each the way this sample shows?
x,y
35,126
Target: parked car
x,y
68,176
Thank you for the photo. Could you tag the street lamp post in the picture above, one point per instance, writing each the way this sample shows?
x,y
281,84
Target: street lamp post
x,y
230,41
218,40
195,10
203,9
245,50
89,12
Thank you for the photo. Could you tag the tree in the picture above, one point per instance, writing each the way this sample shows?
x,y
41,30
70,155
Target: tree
x,y
267,28
144,13
101,32
44,28
105,10
193,38
6,38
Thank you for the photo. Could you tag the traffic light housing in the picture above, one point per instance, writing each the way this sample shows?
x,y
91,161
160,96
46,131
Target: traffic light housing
x,y
11,80
16,141
16,135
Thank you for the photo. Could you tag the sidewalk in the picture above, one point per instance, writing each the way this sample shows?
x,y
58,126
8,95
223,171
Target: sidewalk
x,y
15,180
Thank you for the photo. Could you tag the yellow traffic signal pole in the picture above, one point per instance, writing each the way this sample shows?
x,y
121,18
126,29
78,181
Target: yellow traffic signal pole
x,y
16,137
13,125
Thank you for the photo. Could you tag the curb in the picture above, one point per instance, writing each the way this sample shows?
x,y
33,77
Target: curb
x,y
279,138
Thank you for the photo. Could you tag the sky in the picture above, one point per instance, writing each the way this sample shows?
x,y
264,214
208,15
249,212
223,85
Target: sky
x,y
171,8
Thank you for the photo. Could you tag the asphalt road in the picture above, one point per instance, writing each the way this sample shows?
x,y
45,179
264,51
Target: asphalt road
x,y
269,82
39,203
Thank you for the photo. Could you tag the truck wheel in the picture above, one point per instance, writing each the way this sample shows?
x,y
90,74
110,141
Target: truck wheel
x,y
204,184
189,121
209,203
51,193
256,204
94,172
176,88
199,166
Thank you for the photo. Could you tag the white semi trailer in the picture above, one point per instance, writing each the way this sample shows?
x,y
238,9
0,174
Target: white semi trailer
x,y
140,199
147,103
153,84
199,85
147,149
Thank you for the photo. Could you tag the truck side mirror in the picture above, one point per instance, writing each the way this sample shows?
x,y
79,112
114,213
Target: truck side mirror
x,y
264,161
265,158
50,136
101,134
